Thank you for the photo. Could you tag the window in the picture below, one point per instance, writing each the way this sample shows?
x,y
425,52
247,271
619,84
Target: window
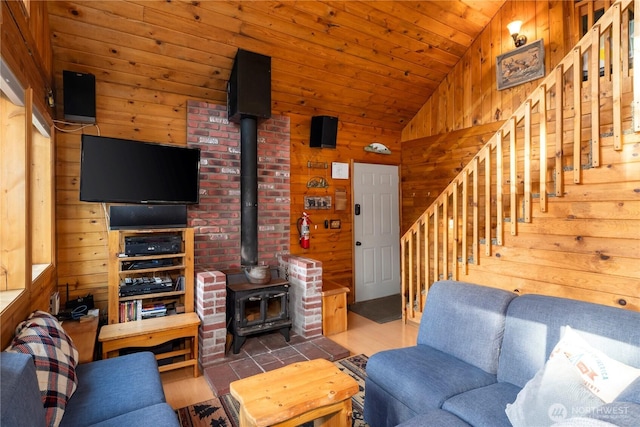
x,y
12,184
26,189
41,184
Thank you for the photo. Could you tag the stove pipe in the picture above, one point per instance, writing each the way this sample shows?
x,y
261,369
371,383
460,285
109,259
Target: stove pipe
x,y
248,99
249,190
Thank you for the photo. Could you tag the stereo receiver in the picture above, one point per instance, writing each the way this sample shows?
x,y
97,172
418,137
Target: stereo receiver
x,y
152,245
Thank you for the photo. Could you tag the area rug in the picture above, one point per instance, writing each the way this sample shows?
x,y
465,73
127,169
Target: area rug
x,y
223,411
380,310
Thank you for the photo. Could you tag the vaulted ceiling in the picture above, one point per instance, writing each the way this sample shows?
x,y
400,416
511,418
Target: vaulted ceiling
x,y
367,62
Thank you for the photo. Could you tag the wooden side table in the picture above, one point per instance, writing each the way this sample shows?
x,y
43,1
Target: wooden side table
x,y
83,335
296,394
334,307
151,332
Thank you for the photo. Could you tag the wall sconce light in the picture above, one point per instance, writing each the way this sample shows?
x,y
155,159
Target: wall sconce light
x,y
514,29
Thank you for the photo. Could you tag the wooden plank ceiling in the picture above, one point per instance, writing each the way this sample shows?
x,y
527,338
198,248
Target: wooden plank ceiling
x,y
374,63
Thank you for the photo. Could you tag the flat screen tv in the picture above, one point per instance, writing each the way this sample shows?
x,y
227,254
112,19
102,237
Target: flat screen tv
x,y
116,170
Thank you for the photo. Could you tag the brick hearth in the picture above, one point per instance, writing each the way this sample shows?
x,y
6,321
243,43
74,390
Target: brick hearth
x,y
262,353
305,305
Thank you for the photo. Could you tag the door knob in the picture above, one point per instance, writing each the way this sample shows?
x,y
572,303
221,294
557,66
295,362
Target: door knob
x,y
358,243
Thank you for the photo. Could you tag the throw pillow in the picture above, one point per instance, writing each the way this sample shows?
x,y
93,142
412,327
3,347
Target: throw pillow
x,y
605,377
46,320
55,358
576,380
552,395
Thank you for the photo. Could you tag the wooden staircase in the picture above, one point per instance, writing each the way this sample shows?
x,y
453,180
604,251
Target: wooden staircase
x,y
577,115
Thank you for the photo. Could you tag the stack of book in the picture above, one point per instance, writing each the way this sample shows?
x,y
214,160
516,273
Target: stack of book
x,y
153,310
130,310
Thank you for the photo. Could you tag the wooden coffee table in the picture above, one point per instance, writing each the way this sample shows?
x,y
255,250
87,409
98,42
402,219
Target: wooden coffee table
x,y
295,394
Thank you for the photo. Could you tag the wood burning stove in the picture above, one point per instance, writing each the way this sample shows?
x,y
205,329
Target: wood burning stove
x,y
253,309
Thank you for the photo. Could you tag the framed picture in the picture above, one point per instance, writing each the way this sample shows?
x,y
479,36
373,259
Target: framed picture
x,y
520,65
317,202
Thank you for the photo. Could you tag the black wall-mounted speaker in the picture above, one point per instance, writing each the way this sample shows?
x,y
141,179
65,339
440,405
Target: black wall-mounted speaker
x,y
79,96
249,86
324,131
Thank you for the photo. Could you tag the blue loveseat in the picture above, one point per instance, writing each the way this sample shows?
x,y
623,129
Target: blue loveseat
x,y
41,383
479,349
123,391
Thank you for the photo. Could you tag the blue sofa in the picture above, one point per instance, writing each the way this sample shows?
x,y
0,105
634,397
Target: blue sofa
x,y
477,348
122,391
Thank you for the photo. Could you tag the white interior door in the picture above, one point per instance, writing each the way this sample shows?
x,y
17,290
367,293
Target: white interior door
x,y
376,231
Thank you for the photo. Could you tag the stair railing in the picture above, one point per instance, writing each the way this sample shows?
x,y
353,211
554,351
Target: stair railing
x,y
525,161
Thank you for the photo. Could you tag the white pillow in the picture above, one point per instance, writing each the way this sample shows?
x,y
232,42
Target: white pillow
x,y
605,377
574,382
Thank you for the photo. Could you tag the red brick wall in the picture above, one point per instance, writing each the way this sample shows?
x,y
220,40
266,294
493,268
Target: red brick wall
x,y
216,219
305,294
211,294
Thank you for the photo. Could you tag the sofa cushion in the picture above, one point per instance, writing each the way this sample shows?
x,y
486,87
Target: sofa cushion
x,y
55,357
158,415
624,411
19,393
534,325
478,313
112,387
631,393
422,377
435,418
382,409
483,406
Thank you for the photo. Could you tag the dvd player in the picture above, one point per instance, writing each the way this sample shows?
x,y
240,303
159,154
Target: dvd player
x,y
145,285
145,264
152,245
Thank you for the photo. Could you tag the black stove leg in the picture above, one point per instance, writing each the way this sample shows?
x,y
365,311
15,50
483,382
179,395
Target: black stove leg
x,y
285,333
237,343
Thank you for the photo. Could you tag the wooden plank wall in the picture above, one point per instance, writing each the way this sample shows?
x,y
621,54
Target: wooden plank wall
x,y
468,96
582,245
430,163
134,107
333,247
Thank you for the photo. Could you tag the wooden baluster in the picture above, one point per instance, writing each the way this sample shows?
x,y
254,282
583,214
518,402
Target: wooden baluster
x,y
499,191
445,236
513,167
418,282
594,80
527,161
476,212
427,259
464,219
617,79
542,110
406,282
487,201
559,130
577,116
436,249
454,233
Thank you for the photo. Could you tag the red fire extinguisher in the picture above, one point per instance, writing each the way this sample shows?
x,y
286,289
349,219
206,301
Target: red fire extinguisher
x,y
304,231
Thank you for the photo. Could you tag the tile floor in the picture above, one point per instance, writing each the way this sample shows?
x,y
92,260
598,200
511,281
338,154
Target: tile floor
x,y
265,352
